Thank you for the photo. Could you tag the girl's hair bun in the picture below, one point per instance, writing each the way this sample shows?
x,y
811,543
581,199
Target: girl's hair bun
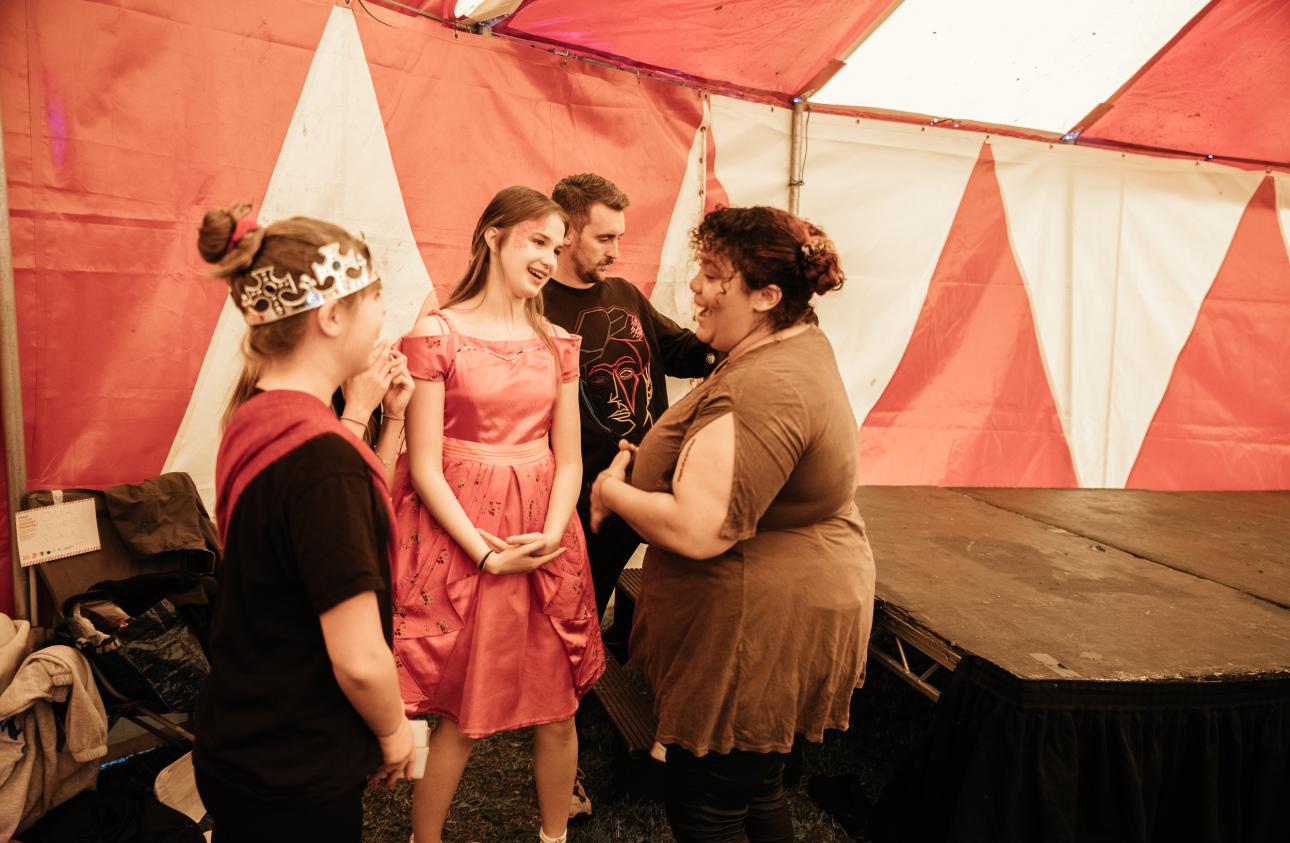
x,y
217,230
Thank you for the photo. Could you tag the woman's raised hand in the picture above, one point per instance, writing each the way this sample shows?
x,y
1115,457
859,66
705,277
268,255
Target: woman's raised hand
x,y
617,471
365,391
398,393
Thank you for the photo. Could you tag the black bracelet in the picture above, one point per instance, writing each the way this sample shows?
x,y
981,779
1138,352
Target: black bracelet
x,y
485,559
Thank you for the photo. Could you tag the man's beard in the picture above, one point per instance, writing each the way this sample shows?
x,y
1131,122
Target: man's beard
x,y
592,274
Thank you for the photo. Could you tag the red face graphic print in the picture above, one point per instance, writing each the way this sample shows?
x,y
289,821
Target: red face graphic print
x,y
616,386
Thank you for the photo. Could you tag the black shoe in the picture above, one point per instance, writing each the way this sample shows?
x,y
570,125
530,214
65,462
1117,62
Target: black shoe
x,y
842,798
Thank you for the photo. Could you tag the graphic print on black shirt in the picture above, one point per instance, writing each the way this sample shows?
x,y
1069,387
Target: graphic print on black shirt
x,y
616,388
628,351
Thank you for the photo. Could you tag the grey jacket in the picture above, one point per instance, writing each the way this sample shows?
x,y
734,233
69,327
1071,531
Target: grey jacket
x,y
36,773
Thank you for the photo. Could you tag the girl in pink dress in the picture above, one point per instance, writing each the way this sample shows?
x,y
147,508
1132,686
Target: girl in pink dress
x,y
495,617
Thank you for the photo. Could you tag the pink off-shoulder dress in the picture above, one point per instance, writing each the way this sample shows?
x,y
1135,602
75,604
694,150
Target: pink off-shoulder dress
x,y
492,652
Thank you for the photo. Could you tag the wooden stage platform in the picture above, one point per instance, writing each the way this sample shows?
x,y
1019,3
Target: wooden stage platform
x,y
1109,665
1084,584
1120,663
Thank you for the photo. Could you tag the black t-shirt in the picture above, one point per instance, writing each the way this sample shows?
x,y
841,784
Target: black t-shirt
x,y
628,349
307,533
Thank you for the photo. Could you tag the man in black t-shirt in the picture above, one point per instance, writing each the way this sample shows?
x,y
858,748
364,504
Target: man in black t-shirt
x,y
628,350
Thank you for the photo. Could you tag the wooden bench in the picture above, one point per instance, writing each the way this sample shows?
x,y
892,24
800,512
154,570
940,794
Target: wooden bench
x,y
626,700
630,582
628,705
626,596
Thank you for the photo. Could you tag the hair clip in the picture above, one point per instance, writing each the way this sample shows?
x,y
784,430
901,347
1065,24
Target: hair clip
x,y
814,246
244,226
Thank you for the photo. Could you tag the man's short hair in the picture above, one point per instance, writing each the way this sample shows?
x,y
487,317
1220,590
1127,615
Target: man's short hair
x,y
576,195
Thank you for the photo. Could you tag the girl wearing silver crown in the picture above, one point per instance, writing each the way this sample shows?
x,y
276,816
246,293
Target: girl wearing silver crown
x,y
495,615
302,703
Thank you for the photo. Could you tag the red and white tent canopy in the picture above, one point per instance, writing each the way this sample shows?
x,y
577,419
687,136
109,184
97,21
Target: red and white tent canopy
x,y
1019,310
1205,78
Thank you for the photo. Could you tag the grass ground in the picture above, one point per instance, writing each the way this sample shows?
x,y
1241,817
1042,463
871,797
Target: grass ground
x,y
496,801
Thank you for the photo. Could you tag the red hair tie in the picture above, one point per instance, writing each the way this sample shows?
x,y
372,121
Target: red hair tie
x,y
245,226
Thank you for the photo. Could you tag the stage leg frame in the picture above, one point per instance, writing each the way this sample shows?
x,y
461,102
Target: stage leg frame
x,y
892,629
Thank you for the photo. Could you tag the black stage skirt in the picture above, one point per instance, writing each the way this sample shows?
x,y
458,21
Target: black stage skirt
x,y
1066,761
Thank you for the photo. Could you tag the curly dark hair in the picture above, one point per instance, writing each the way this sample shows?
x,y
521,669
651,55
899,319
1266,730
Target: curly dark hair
x,y
771,246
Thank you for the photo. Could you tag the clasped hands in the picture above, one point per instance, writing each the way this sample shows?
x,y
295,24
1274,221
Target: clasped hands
x,y
520,554
617,470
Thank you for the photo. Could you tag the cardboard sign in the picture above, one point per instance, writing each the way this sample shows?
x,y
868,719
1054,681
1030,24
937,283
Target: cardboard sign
x,y
56,532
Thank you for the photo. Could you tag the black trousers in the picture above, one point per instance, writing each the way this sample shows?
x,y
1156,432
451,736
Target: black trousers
x,y
736,797
609,551
237,819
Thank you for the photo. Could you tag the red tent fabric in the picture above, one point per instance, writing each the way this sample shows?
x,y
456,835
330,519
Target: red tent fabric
x,y
6,580
1217,88
122,164
1231,380
714,190
767,45
1223,88
491,112
113,154
124,119
970,403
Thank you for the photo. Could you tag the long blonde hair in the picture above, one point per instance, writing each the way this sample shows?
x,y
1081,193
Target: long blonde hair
x,y
510,207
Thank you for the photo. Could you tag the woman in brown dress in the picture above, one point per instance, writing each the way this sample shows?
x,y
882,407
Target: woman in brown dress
x,y
758,585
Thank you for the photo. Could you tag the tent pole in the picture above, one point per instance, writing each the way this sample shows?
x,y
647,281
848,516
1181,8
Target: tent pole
x,y
796,165
15,446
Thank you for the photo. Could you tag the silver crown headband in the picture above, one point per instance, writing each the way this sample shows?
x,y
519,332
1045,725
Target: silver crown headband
x,y
270,297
